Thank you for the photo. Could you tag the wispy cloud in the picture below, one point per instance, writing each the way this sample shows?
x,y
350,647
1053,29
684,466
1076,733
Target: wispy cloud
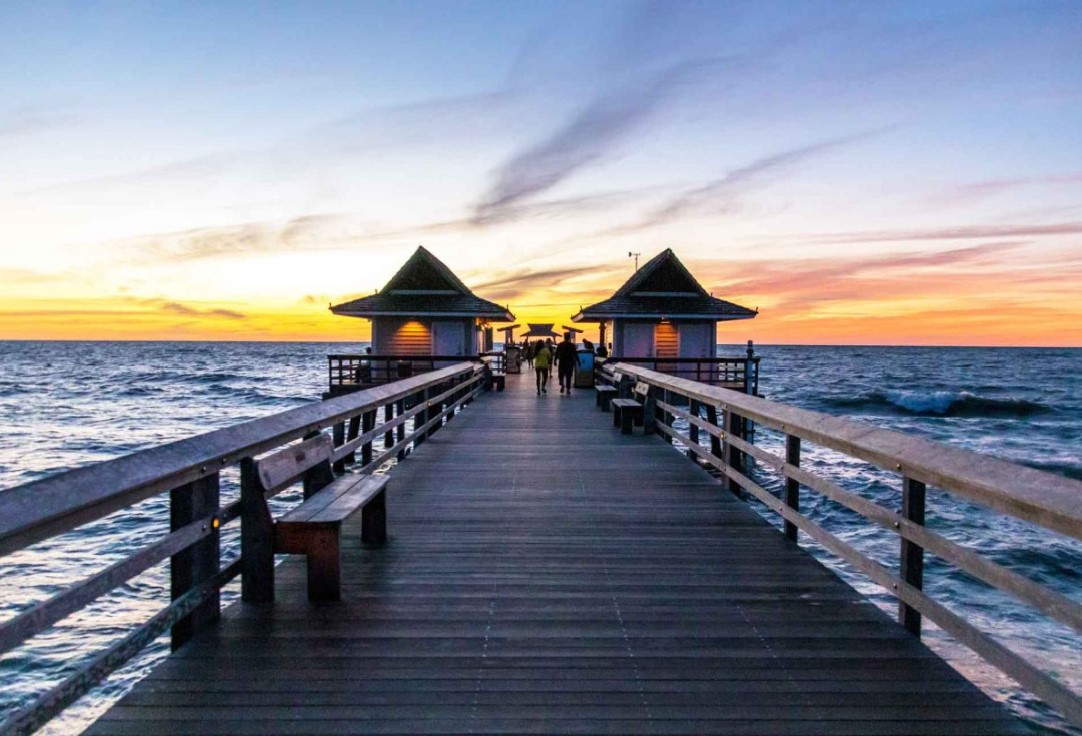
x,y
797,284
976,191
962,232
186,310
593,132
31,120
308,232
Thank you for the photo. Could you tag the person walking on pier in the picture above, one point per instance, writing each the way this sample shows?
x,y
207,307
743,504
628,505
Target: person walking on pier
x,y
541,359
567,358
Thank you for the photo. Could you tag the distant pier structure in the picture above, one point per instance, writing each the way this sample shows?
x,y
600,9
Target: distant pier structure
x,y
422,319
662,317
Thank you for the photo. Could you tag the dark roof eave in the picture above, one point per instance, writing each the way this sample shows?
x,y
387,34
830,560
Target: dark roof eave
x,y
501,315
587,316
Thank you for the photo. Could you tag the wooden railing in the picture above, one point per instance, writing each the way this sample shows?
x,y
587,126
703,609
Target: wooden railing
x,y
736,372
1049,501
190,471
361,370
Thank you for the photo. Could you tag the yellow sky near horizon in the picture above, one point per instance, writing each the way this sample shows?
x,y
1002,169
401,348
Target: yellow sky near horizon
x,y
960,296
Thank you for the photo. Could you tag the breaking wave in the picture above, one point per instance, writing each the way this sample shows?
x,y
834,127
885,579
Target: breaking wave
x,y
941,404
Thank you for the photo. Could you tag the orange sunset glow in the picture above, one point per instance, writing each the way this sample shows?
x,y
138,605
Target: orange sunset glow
x,y
861,177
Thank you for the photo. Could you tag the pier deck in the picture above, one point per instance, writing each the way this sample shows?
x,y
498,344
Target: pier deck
x,y
546,574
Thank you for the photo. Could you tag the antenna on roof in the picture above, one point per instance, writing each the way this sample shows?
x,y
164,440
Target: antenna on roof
x,y
636,257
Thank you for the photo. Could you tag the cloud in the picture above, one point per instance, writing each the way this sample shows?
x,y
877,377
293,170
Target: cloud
x,y
724,194
980,190
186,310
309,232
964,232
25,121
600,125
800,284
509,285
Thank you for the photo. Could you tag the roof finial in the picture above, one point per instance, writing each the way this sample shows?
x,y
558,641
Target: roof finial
x,y
636,257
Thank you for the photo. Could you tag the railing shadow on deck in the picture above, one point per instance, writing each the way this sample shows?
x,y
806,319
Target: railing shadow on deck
x,y
189,470
1049,501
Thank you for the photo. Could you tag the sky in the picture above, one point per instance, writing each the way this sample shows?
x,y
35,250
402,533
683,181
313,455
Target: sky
x,y
862,173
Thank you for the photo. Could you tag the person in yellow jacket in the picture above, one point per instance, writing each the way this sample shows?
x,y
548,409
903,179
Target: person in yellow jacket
x,y
542,358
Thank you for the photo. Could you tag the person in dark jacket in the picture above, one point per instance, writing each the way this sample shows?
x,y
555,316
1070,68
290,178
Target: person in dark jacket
x,y
567,358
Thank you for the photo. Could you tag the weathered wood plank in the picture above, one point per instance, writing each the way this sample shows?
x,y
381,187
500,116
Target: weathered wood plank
x,y
546,574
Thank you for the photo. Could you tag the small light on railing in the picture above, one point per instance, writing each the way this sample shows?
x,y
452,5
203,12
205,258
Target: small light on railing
x,y
215,522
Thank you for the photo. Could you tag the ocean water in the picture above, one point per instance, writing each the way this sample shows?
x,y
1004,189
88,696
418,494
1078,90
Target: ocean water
x,y
63,405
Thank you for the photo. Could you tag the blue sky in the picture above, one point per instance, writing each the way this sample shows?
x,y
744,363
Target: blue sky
x,y
158,154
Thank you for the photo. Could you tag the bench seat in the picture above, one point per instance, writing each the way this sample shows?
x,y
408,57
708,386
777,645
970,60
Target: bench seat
x,y
605,395
314,528
624,411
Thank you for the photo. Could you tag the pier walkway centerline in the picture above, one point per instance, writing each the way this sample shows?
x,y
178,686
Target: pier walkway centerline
x,y
547,574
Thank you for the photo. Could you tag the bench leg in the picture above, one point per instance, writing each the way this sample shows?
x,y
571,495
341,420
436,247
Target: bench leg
x,y
615,416
374,520
639,414
324,566
606,401
597,399
626,417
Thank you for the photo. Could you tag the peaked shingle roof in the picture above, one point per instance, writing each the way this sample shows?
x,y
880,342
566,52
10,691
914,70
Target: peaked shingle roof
x,y
423,286
663,287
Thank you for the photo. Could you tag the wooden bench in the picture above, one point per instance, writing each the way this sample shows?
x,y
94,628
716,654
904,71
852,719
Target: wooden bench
x,y
624,411
605,395
313,528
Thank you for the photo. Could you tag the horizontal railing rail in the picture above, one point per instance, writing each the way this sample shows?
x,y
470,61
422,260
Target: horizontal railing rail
x,y
738,372
190,471
364,370
1044,499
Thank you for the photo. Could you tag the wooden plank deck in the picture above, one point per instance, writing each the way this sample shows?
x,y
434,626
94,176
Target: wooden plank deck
x,y
546,574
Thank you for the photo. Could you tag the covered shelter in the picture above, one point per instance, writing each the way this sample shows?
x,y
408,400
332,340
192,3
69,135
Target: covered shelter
x,y
540,329
662,312
425,310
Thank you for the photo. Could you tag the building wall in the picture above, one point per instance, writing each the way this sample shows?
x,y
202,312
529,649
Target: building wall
x,y
402,336
414,335
666,337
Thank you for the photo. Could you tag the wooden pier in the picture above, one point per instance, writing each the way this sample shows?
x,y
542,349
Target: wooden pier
x,y
547,574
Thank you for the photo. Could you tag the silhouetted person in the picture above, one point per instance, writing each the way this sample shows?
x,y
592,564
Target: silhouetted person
x,y
541,360
567,358
602,351
552,351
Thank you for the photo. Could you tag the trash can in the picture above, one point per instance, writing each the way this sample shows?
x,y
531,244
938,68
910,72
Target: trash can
x,y
512,358
584,373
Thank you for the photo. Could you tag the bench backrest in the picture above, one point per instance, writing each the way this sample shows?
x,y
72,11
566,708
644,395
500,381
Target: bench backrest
x,y
309,461
642,389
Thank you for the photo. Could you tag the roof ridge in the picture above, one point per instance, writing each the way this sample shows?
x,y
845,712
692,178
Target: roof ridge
x,y
665,256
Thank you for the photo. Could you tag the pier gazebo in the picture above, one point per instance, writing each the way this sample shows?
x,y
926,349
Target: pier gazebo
x,y
423,318
425,310
662,312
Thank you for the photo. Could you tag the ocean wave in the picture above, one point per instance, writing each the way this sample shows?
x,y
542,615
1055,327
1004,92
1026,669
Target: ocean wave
x,y
941,404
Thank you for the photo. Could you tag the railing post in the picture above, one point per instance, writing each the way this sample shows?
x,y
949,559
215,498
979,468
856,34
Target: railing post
x,y
666,417
649,411
733,457
351,434
792,488
338,435
400,430
693,429
912,555
420,417
388,436
368,423
256,538
199,562
715,442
